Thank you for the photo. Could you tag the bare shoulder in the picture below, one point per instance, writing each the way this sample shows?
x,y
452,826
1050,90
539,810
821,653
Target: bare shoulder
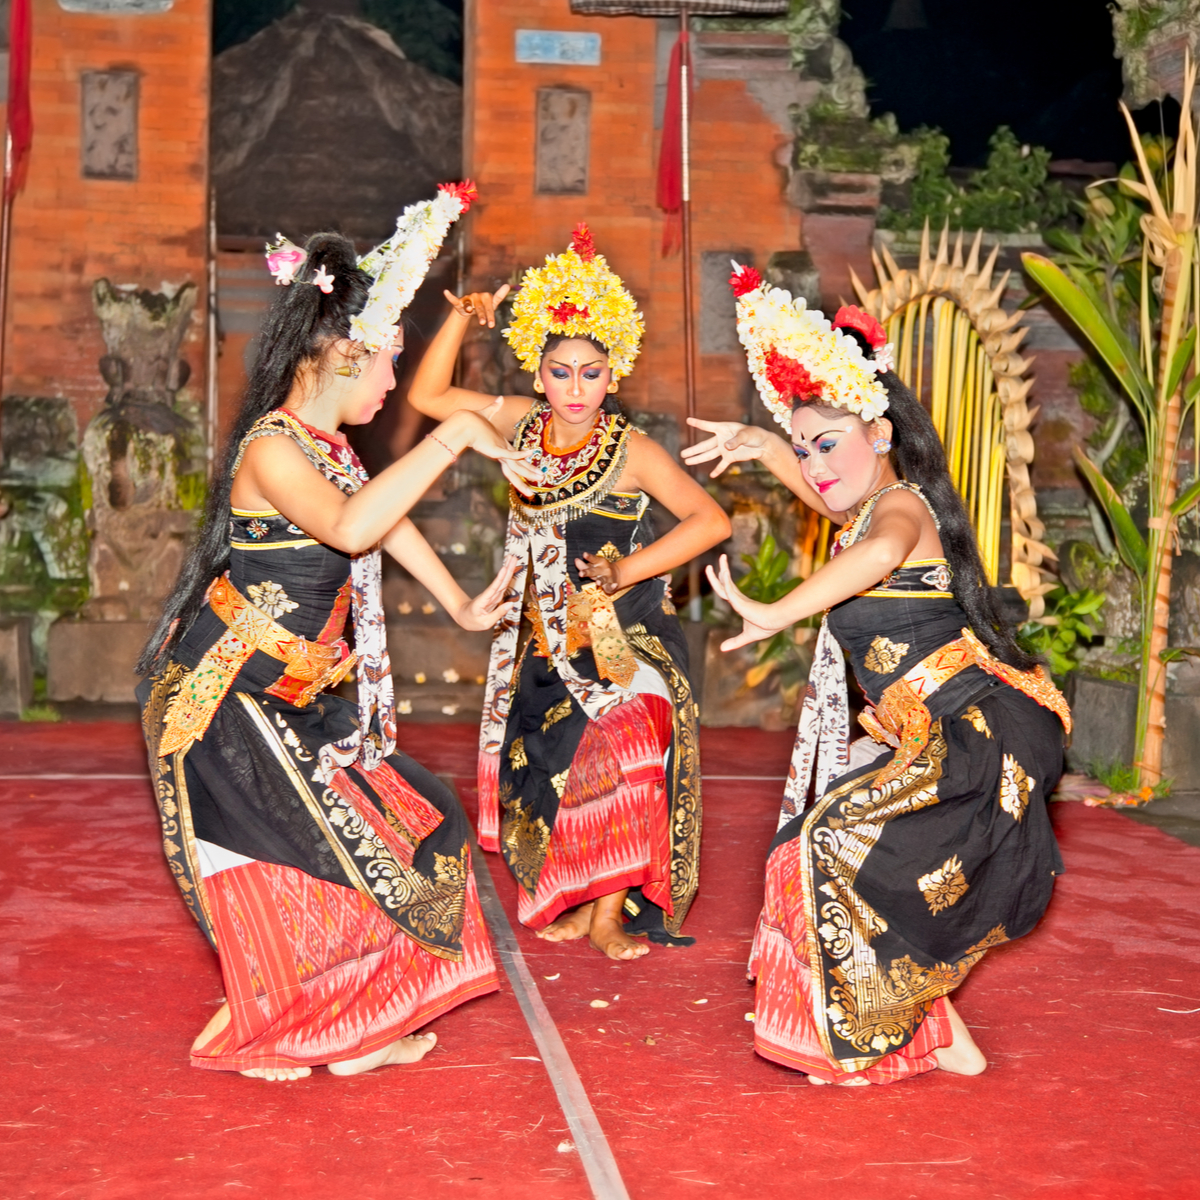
x,y
904,504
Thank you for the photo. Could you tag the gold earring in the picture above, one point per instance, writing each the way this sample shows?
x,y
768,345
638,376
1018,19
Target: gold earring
x,y
612,388
351,370
538,385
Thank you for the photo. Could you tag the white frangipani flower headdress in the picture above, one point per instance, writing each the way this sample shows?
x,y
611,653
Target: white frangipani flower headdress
x,y
795,353
398,265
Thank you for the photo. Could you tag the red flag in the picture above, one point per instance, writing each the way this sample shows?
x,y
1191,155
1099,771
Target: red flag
x,y
20,114
670,153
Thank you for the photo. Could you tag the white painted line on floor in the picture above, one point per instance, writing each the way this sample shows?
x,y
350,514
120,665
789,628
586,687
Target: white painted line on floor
x,y
91,775
604,1177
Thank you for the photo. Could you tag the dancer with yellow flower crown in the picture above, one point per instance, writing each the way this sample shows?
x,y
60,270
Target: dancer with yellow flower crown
x,y
928,842
589,778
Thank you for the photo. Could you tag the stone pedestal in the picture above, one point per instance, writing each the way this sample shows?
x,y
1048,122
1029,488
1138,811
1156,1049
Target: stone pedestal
x,y
16,666
93,660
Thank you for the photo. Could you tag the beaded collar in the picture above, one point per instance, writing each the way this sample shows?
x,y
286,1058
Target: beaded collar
x,y
576,481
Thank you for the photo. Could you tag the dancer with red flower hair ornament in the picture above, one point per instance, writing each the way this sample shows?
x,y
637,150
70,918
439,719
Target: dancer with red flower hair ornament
x,y
928,842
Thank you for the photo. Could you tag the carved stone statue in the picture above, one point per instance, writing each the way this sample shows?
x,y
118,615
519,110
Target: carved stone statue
x,y
142,453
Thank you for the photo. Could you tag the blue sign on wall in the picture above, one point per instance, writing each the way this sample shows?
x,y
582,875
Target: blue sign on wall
x,y
552,46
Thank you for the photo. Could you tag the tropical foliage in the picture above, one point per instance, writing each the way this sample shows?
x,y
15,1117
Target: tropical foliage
x,y
1062,634
1154,364
1011,194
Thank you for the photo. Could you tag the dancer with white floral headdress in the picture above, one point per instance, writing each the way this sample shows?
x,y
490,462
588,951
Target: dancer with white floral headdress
x,y
589,775
330,871
937,845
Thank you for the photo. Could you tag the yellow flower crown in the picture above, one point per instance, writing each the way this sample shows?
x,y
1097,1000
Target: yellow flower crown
x,y
577,295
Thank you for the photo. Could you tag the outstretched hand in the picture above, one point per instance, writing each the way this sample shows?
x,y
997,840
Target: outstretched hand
x,y
489,608
757,618
492,444
730,441
481,305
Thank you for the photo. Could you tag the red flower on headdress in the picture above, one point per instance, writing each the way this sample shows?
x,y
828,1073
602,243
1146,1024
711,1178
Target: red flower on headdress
x,y
562,313
465,191
850,316
581,242
744,279
789,377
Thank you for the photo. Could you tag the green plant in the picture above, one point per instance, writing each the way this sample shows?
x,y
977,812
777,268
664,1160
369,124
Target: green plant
x,y
1149,366
1123,778
1011,194
765,581
41,712
1061,635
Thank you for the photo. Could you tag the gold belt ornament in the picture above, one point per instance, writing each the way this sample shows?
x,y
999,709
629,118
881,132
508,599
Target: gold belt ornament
x,y
248,629
902,718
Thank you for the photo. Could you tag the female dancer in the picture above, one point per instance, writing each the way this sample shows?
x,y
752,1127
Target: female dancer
x,y
330,871
909,866
589,731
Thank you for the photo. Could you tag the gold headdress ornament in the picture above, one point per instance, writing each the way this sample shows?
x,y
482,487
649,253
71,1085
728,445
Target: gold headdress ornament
x,y
795,353
575,294
398,265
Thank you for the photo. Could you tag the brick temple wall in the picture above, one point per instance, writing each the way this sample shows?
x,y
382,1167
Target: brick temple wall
x,y
740,136
70,230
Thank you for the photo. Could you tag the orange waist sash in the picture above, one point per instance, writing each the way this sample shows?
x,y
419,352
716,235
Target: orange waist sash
x,y
902,718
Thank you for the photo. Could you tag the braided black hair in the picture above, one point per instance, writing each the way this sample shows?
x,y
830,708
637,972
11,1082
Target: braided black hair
x,y
920,458
302,323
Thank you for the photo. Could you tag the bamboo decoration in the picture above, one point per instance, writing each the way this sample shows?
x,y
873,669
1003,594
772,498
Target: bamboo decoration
x,y
958,349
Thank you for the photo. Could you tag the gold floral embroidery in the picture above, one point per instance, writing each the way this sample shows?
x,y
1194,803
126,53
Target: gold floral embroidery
x,y
450,871
516,754
1015,786
977,719
884,656
526,839
560,781
944,887
559,712
271,598
610,552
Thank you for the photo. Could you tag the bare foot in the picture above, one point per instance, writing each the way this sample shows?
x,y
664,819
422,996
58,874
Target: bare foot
x,y
407,1050
857,1081
218,1022
962,1056
607,930
569,926
277,1074
607,934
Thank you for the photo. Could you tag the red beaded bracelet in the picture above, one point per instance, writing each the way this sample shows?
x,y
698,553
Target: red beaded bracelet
x,y
430,438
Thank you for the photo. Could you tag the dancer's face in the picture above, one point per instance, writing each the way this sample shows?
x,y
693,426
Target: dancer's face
x,y
365,396
837,454
575,375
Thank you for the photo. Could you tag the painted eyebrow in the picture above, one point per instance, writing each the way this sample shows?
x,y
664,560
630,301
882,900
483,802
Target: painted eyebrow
x,y
824,433
596,362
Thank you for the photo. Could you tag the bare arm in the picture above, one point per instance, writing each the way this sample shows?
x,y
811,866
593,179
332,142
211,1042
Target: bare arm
x,y
731,442
897,525
406,544
275,474
431,391
702,523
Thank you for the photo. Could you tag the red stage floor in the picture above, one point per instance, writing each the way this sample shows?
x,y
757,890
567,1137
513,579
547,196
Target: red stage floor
x,y
106,980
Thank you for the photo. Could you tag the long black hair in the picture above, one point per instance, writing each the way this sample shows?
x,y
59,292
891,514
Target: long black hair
x,y
611,403
300,326
920,458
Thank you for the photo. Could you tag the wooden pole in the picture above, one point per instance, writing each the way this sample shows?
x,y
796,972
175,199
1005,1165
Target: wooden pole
x,y
5,247
689,323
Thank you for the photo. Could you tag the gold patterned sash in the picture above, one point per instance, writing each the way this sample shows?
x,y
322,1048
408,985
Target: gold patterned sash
x,y
248,629
902,718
